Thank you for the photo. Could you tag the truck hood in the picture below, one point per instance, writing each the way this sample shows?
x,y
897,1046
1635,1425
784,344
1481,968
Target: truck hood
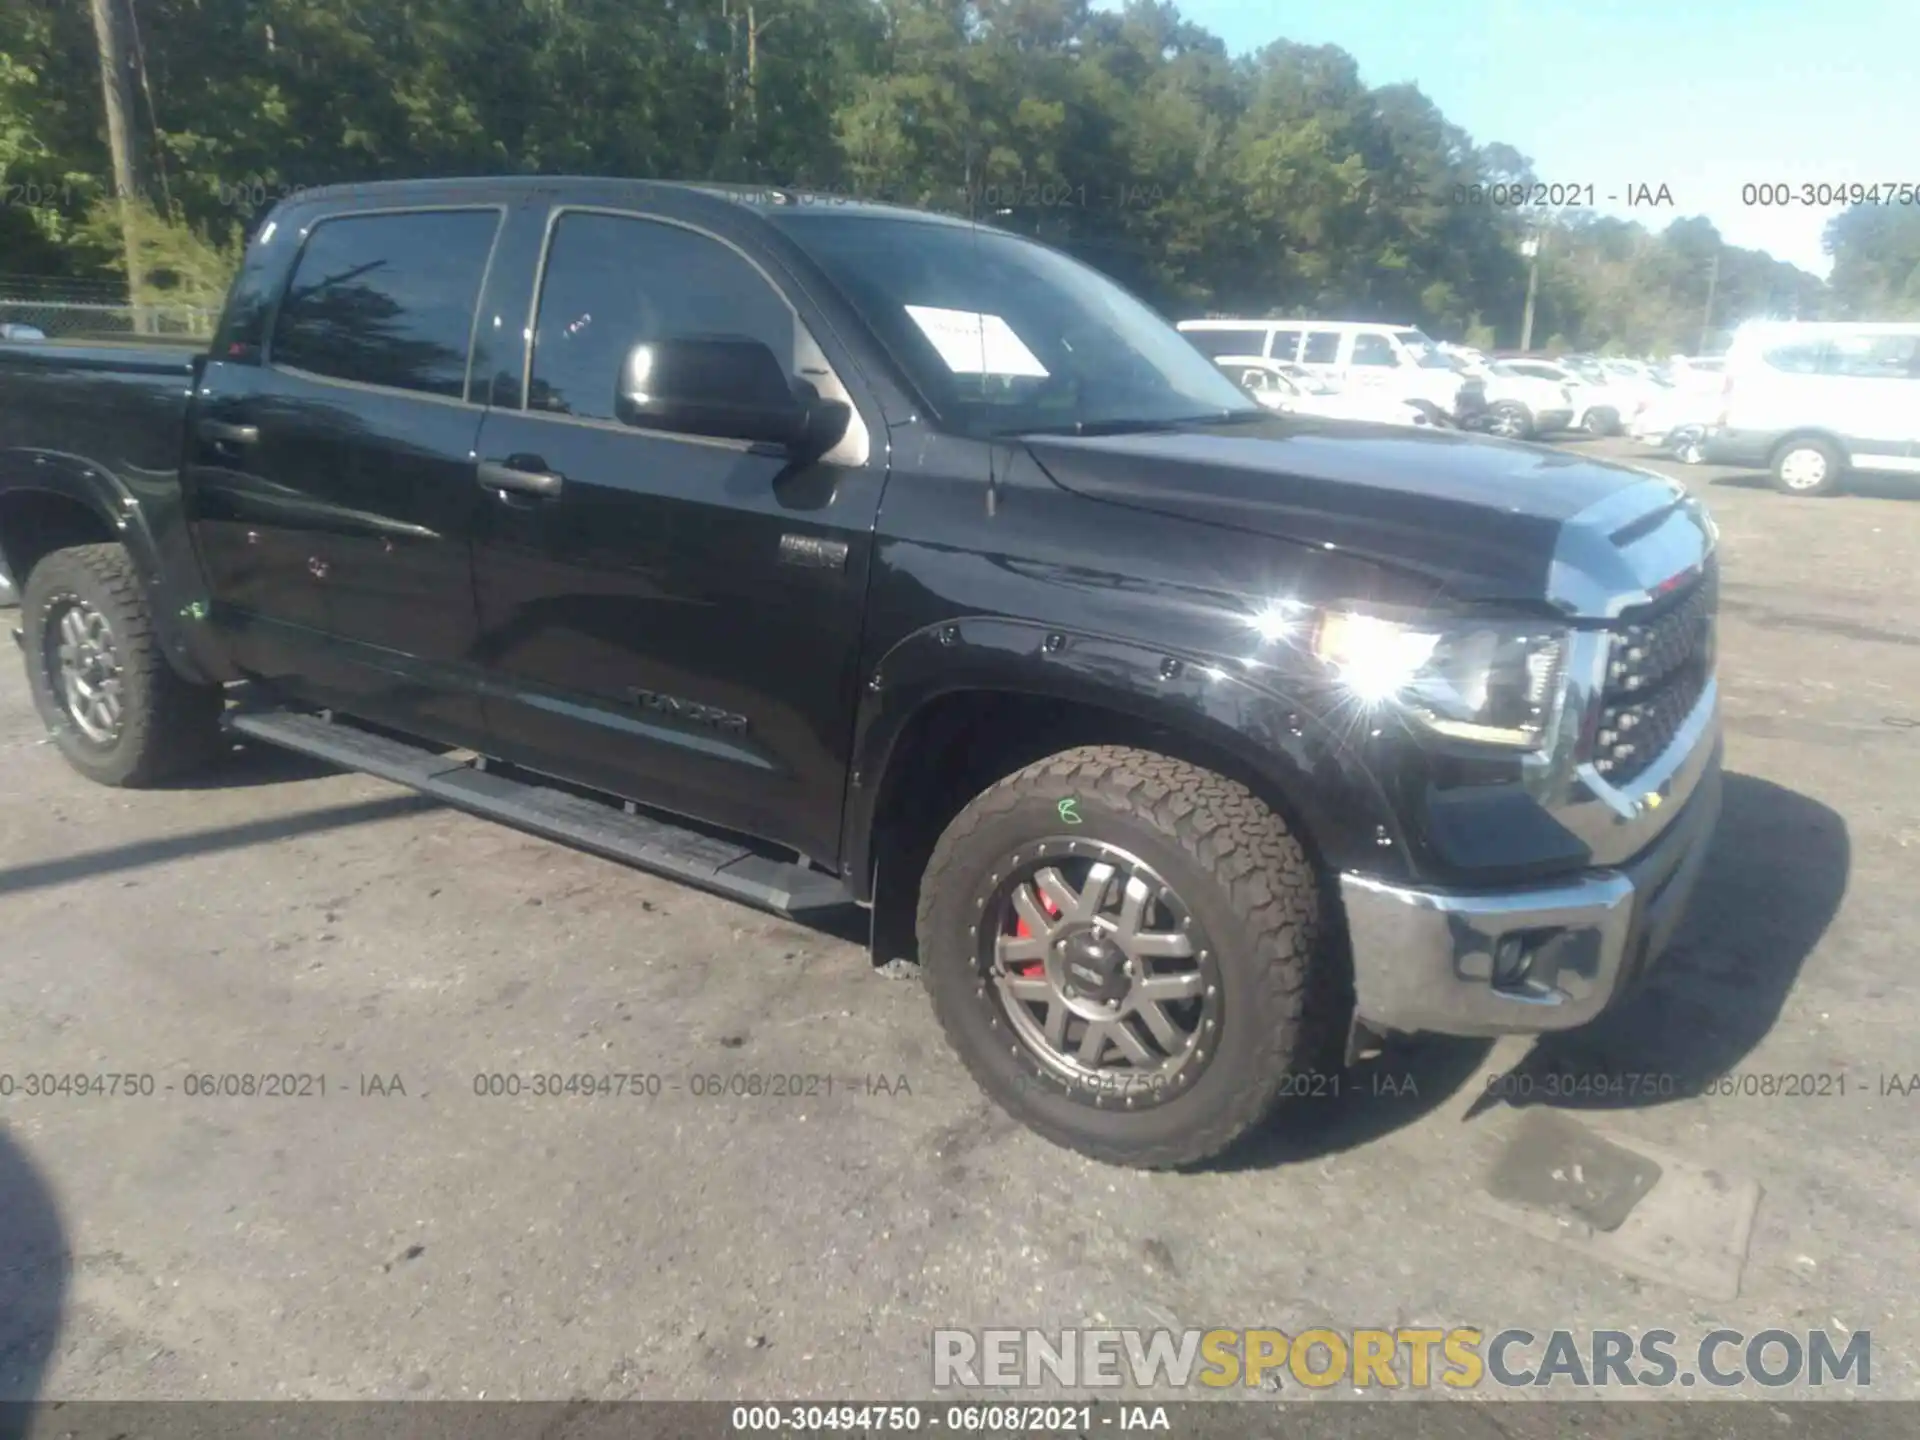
x,y
1485,519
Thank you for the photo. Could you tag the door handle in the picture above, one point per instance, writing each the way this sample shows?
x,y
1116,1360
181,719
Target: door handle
x,y
495,476
221,433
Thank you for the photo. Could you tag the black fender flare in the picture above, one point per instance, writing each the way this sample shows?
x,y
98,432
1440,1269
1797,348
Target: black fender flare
x,y
1322,778
148,520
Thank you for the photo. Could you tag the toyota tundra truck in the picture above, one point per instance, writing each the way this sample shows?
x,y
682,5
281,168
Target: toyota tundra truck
x,y
829,555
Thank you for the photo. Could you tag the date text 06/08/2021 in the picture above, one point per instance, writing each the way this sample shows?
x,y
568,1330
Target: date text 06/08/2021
x,y
307,1085
1009,1418
1739,1084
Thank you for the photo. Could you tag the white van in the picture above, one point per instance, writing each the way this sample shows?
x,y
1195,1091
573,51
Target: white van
x,y
1811,400
1348,354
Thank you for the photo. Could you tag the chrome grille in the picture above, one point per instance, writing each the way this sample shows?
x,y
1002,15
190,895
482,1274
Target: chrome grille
x,y
1658,663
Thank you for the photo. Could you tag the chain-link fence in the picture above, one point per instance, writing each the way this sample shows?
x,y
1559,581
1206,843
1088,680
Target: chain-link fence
x,y
35,319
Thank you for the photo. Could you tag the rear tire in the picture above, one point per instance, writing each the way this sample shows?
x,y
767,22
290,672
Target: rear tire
x,y
1808,467
1198,862
1601,423
114,705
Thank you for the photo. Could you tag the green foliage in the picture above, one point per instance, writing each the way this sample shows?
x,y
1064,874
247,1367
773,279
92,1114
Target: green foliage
x,y
1876,270
1279,183
177,265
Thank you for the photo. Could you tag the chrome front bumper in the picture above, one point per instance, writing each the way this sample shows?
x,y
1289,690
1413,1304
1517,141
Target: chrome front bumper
x,y
1547,957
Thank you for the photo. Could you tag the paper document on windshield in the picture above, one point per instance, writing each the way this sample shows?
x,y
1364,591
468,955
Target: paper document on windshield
x,y
973,344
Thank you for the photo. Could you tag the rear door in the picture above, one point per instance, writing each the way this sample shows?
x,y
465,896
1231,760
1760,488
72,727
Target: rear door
x,y
671,618
330,481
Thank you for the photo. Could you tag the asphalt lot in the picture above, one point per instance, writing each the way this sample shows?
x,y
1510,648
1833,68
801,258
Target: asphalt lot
x,y
438,1243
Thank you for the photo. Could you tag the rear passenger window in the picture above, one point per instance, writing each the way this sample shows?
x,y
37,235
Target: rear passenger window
x,y
1322,348
1799,359
1216,343
1874,357
1373,350
387,299
614,281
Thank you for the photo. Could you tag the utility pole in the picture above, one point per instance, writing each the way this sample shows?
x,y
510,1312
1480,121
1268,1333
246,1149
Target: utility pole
x,y
116,90
754,32
1706,320
1530,247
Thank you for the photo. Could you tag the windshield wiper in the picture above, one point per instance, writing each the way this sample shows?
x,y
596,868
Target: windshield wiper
x,y
1136,426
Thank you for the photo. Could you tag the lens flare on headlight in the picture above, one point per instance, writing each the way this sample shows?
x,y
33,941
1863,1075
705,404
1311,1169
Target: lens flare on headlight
x,y
1373,659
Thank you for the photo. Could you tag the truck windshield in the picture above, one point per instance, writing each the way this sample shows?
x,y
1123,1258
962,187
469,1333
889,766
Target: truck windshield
x,y
1426,354
1002,335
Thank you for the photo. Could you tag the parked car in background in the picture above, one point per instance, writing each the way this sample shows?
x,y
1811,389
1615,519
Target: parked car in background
x,y
1632,371
1812,400
1521,405
1678,421
1696,372
1287,388
1397,360
10,330
1601,404
1467,355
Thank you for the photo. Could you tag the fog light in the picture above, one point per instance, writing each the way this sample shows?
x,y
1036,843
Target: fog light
x,y
1512,959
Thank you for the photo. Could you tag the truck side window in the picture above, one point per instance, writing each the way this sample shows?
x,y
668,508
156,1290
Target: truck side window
x,y
1286,344
387,299
1373,350
1873,357
1322,348
1797,359
1215,343
613,282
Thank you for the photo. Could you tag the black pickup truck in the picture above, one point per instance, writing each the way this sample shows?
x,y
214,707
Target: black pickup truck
x,y
825,554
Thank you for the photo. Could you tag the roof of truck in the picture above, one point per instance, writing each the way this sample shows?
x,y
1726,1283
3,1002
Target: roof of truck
x,y
768,199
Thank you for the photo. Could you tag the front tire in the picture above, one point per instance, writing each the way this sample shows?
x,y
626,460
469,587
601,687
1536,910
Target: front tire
x,y
1808,467
1601,423
1124,949
114,705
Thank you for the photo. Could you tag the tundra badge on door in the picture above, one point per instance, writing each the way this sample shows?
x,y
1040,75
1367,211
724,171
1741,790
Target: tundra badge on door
x,y
812,553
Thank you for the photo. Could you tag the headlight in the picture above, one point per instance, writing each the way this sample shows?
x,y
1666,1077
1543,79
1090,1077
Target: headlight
x,y
1497,684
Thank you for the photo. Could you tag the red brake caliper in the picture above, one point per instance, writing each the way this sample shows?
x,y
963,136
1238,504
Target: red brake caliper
x,y
1020,930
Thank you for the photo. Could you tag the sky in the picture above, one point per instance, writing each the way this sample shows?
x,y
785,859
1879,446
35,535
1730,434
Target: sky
x,y
1702,96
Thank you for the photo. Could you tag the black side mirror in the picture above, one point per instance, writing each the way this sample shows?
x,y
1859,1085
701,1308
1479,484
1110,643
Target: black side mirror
x,y
727,387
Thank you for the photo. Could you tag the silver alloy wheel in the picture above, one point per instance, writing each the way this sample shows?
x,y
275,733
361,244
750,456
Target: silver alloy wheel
x,y
1507,422
1804,468
85,664
1690,447
1101,971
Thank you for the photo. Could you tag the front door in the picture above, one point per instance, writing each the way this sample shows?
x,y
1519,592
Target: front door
x,y
331,487
669,618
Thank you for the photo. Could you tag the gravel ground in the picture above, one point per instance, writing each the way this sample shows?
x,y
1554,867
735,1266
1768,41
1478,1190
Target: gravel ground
x,y
402,1237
